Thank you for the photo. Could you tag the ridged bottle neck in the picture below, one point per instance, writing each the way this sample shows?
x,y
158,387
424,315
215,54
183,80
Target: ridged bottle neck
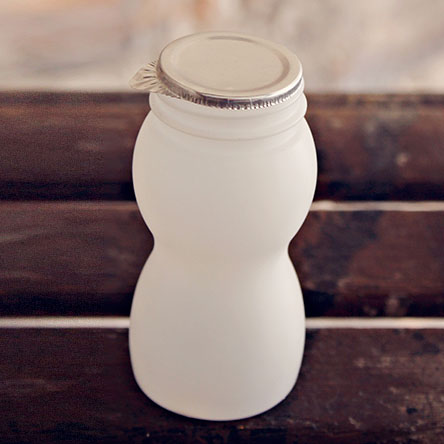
x,y
224,124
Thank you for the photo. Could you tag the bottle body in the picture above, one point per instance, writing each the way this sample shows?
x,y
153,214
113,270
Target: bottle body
x,y
217,324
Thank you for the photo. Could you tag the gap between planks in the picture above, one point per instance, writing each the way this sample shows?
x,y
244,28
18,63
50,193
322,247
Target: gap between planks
x,y
391,205
311,323
318,205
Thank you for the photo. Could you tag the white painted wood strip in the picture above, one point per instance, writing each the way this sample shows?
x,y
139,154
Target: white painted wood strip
x,y
319,205
64,322
372,323
311,323
419,206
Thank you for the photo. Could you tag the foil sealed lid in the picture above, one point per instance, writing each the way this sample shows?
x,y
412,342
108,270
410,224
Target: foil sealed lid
x,y
224,70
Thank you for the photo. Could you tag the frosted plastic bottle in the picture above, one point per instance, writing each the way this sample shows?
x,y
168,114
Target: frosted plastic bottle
x,y
217,323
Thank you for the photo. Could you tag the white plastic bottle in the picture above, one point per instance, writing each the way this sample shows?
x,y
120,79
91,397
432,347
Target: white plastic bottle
x,y
217,324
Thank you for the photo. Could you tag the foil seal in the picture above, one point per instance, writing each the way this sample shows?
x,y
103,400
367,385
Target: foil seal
x,y
223,70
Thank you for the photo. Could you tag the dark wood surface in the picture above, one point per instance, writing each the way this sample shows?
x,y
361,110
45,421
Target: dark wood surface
x,y
379,146
355,386
79,146
68,145
82,258
85,258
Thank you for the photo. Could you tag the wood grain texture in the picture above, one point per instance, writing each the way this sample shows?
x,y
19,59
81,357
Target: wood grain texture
x,y
379,146
371,263
355,386
70,258
79,146
68,145
85,257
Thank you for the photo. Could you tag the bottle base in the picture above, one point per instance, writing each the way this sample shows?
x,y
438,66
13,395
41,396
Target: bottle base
x,y
209,416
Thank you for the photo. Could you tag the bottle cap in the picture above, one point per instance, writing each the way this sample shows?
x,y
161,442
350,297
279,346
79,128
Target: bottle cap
x,y
223,70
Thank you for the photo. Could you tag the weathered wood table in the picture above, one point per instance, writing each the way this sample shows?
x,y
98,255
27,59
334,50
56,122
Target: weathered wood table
x,y
370,258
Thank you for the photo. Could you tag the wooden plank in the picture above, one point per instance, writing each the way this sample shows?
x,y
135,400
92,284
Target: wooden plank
x,y
70,258
79,146
68,145
371,263
355,386
85,258
379,146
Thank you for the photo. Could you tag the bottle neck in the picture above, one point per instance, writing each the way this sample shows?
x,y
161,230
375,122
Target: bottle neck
x,y
225,124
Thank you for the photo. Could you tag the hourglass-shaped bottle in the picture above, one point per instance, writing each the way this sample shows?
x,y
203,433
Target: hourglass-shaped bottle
x,y
217,324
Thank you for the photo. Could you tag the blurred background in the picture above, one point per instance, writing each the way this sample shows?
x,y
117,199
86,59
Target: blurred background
x,y
344,45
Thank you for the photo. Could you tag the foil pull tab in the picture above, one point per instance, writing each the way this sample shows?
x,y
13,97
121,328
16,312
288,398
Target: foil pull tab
x,y
148,79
